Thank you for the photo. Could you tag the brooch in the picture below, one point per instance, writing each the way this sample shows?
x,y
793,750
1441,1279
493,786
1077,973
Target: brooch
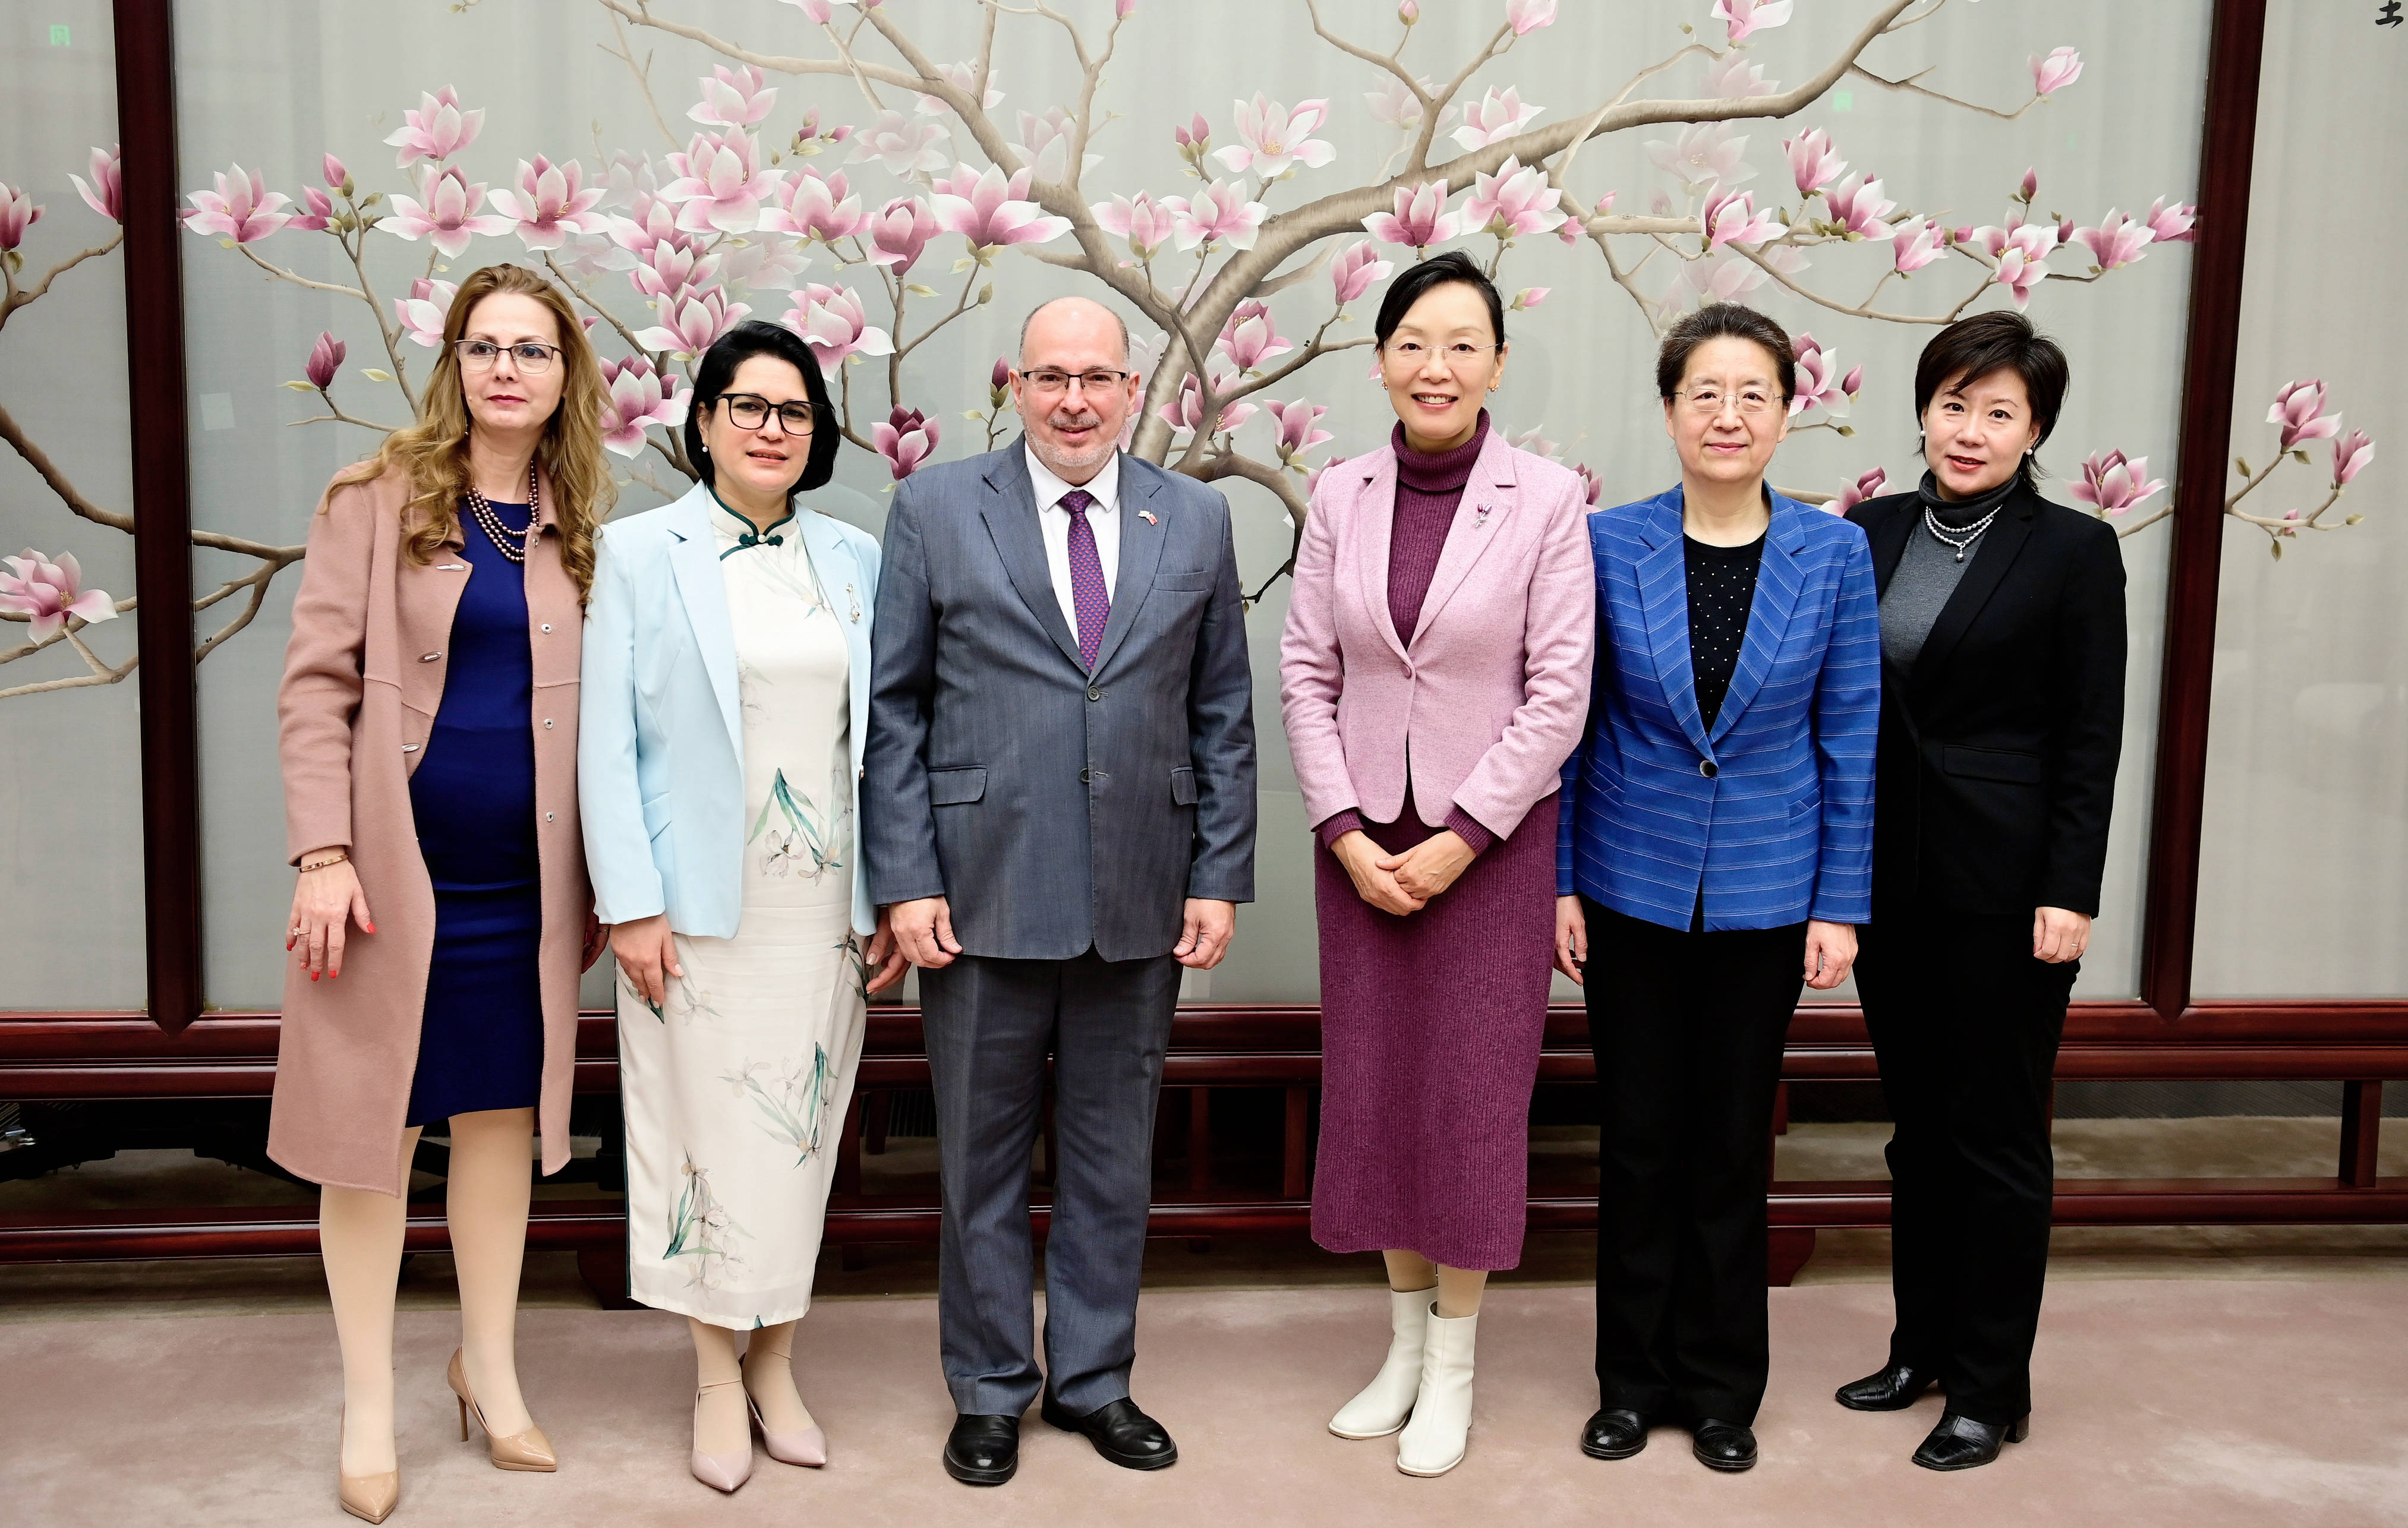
x,y
1147,515
854,600
1479,517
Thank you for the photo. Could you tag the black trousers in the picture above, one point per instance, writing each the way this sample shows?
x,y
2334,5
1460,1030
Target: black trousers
x,y
1688,1028
1966,1025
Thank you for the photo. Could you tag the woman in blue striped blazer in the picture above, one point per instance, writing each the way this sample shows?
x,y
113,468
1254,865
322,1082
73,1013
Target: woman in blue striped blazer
x,y
1715,849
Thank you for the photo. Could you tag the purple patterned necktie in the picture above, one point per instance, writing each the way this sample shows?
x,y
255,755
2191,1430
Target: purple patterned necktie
x,y
1087,591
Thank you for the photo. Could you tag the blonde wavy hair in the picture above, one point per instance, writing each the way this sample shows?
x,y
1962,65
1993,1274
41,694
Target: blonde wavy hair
x,y
434,452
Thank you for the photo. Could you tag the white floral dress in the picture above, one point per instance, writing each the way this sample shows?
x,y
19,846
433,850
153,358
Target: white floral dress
x,y
735,1088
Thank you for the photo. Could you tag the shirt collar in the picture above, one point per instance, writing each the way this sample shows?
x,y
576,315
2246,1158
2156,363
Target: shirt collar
x,y
1104,487
733,529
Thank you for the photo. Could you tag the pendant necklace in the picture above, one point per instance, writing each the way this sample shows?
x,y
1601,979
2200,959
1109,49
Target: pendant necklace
x,y
1967,535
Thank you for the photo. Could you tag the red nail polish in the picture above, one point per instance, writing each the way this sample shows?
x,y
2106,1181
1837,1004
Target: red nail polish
x,y
369,927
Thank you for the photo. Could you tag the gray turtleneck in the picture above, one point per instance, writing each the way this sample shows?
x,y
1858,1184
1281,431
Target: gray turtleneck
x,y
1925,576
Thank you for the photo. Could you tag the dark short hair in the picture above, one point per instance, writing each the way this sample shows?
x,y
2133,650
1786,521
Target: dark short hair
x,y
1724,321
718,369
1972,348
1437,271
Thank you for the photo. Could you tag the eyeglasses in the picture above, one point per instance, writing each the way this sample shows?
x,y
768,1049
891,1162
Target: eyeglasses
x,y
1710,400
1461,353
531,357
750,411
1050,379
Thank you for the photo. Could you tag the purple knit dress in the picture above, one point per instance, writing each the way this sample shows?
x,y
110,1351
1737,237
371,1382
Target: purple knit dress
x,y
1430,1025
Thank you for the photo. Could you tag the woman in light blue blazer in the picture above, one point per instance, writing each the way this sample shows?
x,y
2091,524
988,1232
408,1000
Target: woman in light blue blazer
x,y
726,703
1715,849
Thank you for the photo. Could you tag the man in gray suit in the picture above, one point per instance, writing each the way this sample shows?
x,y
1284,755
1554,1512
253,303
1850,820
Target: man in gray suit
x,y
1060,810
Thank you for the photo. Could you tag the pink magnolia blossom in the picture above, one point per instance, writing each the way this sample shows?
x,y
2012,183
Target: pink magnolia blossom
x,y
1859,206
899,231
1537,444
2021,253
1741,17
1733,76
321,213
1250,338
1298,433
1394,105
1274,140
18,213
818,10
1355,268
762,262
1591,484
1045,139
2030,187
242,209
2173,223
2117,242
832,322
1721,279
905,438
436,130
1513,202
1420,218
904,147
106,195
1867,485
1195,141
670,270
1819,383
1729,217
1813,164
1187,411
1409,12
47,593
734,98
721,184
446,214
811,205
639,398
422,313
992,211
1703,154
551,203
1496,116
2299,409
1219,212
2062,68
1312,478
2351,452
1916,244
651,223
1527,16
325,357
689,326
1146,225
961,77
1528,298
2112,484
337,177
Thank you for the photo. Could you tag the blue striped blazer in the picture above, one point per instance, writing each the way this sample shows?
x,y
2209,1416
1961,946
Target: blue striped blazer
x,y
1772,811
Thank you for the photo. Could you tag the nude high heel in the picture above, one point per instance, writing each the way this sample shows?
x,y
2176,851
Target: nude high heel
x,y
369,1497
719,1472
527,1450
806,1446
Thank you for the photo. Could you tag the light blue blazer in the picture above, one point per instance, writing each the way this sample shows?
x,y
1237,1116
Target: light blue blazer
x,y
660,741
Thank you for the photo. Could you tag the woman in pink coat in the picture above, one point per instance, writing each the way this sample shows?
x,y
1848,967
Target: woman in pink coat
x,y
1433,677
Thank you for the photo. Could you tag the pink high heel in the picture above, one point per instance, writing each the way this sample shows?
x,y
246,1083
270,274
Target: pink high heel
x,y
806,1446
719,1472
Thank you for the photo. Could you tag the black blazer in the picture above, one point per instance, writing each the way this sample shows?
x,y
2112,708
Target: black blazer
x,y
1998,746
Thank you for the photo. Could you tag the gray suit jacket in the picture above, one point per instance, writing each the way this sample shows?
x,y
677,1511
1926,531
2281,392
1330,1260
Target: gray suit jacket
x,y
1055,809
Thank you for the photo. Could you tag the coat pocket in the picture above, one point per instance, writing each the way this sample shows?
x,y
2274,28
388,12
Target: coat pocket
x,y
1992,764
656,815
1197,582
955,787
1183,787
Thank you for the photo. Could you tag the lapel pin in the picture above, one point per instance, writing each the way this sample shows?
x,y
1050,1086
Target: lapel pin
x,y
1479,517
854,600
1147,515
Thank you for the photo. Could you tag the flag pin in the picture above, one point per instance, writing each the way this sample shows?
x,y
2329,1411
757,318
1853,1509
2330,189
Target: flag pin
x,y
1147,515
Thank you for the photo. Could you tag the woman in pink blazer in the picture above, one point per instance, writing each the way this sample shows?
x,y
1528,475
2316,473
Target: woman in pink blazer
x,y
1433,677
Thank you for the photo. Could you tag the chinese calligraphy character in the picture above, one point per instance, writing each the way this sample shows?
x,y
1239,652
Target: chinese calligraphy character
x,y
2390,16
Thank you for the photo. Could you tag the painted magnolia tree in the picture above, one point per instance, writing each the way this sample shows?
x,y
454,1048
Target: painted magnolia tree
x,y
1243,280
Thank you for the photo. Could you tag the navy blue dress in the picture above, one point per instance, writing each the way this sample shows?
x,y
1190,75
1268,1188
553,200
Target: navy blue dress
x,y
480,1044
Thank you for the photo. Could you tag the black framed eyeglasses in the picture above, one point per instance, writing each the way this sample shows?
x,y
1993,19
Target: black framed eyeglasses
x,y
1051,379
750,411
530,356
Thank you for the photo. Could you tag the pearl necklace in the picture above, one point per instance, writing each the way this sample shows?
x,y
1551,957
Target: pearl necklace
x,y
1971,533
514,545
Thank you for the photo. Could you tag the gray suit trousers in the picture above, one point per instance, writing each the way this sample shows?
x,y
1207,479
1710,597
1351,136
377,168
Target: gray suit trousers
x,y
990,1025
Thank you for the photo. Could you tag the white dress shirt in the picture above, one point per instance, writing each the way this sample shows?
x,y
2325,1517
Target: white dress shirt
x,y
1053,524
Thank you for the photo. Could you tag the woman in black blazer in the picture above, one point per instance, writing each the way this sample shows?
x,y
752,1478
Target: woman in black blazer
x,y
2002,713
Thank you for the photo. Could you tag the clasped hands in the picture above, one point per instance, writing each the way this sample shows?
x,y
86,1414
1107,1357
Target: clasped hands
x,y
923,932
1403,884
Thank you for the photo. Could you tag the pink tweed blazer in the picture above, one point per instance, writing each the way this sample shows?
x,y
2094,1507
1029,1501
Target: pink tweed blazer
x,y
1488,695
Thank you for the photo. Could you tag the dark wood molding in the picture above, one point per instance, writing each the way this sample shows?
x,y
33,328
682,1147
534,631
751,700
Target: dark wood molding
x,y
2228,146
162,515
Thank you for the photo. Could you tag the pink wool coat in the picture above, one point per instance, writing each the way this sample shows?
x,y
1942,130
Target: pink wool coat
x,y
1488,695
362,679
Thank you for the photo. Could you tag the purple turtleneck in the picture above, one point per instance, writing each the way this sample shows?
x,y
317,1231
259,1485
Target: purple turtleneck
x,y
1429,486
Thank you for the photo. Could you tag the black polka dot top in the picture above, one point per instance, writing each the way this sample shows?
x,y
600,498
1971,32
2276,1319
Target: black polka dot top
x,y
1722,590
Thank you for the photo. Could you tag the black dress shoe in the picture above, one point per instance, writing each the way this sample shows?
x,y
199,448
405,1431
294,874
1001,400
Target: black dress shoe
x,y
1960,1443
1893,1388
983,1451
1614,1433
1723,1445
1120,1432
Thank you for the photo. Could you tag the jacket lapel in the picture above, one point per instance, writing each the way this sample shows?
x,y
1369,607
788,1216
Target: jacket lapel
x,y
2000,545
1009,510
841,579
1487,497
693,560
1886,537
1141,544
1777,582
1664,597
1376,511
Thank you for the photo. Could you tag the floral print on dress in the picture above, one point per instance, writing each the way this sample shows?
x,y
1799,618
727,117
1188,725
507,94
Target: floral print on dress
x,y
794,1101
797,838
701,1228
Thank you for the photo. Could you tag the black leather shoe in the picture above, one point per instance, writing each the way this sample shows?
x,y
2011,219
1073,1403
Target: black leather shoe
x,y
1960,1443
1893,1388
1120,1432
1723,1445
983,1451
1614,1433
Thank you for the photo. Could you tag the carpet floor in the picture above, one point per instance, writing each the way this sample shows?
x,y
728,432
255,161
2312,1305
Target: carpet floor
x,y
2153,1410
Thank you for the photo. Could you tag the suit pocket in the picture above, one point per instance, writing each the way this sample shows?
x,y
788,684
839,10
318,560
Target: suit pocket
x,y
1197,582
1183,787
955,787
1992,764
1800,809
656,815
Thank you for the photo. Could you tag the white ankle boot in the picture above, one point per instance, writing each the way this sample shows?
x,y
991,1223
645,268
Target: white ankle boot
x,y
1433,1441
1384,1404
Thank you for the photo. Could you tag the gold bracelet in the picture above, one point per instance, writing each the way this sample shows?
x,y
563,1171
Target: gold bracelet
x,y
339,857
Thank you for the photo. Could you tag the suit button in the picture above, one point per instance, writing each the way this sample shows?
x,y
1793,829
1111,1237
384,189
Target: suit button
x,y
1706,767
430,657
1095,695
547,626
547,817
1083,776
547,722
